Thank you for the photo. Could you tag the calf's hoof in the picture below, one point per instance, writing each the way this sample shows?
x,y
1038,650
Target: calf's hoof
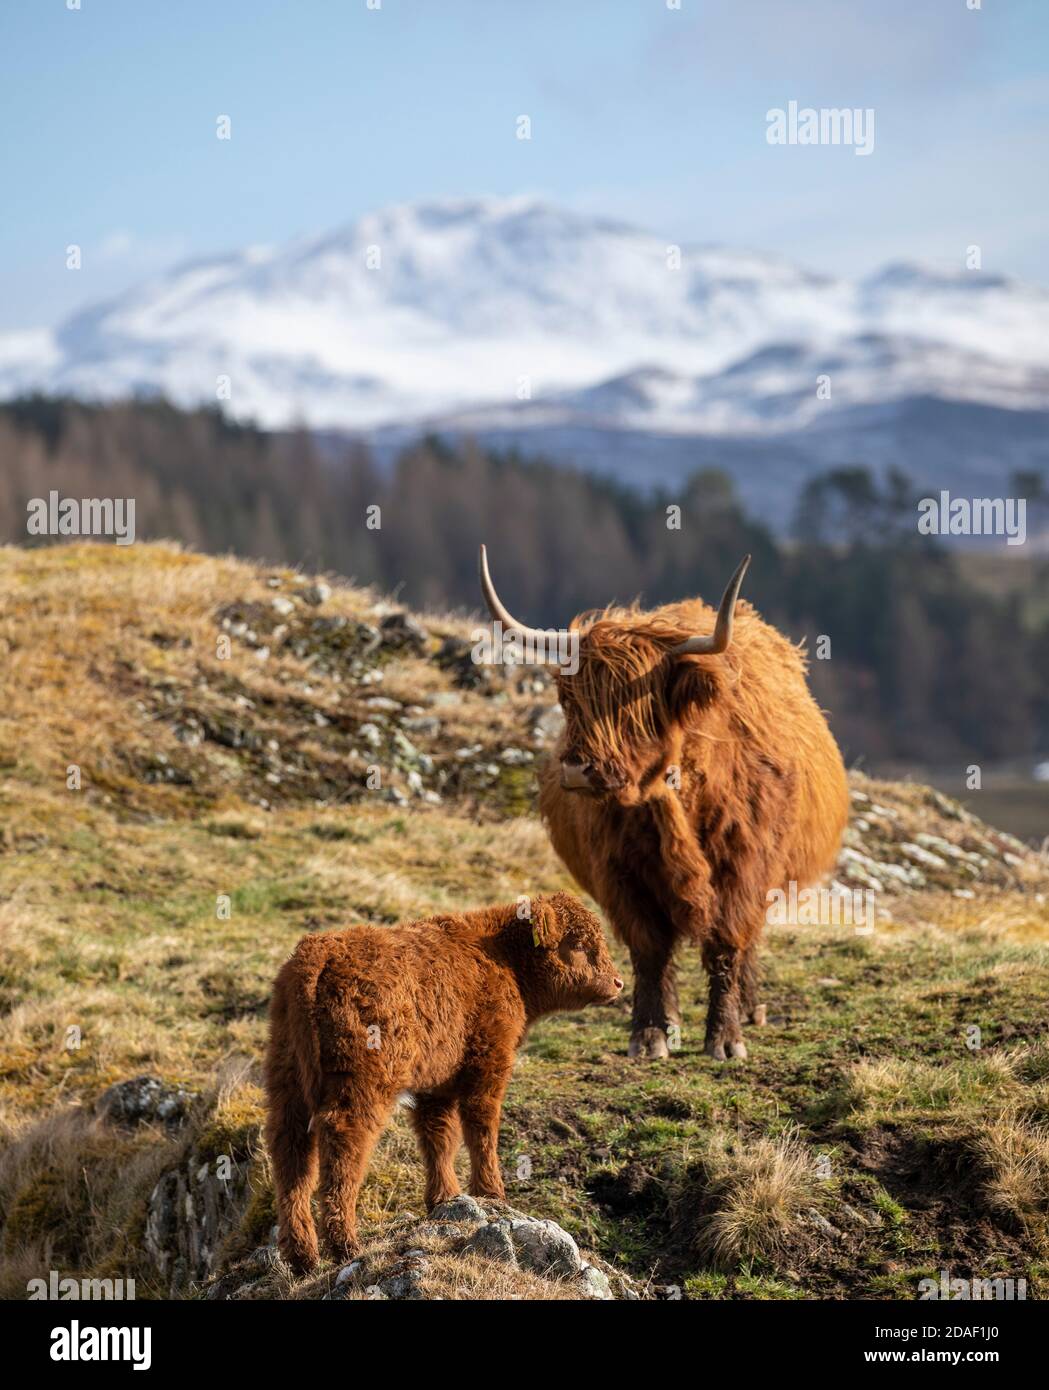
x,y
438,1199
492,1189
648,1044
342,1251
722,1051
759,1015
300,1259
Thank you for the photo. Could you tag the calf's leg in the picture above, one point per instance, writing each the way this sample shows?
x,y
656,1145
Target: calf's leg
x,y
436,1124
480,1108
350,1123
292,1143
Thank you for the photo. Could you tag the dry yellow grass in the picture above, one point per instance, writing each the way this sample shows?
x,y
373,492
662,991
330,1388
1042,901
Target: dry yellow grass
x,y
1016,1154
756,1191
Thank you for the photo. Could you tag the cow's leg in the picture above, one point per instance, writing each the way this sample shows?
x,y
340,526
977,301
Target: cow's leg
x,y
350,1123
650,936
724,1032
655,1019
436,1124
750,987
480,1108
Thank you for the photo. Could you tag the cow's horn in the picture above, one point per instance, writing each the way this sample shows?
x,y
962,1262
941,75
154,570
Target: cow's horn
x,y
722,635
495,605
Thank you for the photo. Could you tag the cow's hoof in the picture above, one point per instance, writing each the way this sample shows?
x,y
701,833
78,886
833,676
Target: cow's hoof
x,y
737,1049
759,1015
721,1052
649,1044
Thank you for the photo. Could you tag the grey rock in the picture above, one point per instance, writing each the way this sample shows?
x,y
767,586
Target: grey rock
x,y
514,757
494,1242
405,749
455,657
924,857
461,1208
403,1280
402,630
595,1281
946,807
548,724
190,1212
145,1099
545,1248
938,845
426,724
821,1223
853,1215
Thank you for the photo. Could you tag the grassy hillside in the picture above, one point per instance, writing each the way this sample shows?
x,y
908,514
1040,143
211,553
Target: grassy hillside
x,y
224,808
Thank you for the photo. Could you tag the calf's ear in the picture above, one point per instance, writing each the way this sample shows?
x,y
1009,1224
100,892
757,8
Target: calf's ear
x,y
546,925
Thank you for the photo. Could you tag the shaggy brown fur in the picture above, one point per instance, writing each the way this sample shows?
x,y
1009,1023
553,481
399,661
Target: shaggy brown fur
x,y
712,779
436,1008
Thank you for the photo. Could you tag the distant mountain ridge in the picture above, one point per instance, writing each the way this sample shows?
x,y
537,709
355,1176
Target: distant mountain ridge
x,y
519,321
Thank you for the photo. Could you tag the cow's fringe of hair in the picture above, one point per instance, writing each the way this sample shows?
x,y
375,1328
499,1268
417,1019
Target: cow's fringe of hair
x,y
619,691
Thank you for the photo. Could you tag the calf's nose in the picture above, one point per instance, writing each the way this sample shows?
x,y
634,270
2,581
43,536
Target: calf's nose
x,y
617,982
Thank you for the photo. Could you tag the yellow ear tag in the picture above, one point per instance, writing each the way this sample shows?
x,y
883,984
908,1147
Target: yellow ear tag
x,y
540,925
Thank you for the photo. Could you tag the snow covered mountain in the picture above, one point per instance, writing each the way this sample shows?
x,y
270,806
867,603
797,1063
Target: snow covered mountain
x,y
491,314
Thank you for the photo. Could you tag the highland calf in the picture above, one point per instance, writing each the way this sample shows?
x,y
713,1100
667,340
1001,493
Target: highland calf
x,y
695,774
436,1008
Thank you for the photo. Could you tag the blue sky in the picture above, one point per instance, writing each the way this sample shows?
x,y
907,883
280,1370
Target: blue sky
x,y
651,114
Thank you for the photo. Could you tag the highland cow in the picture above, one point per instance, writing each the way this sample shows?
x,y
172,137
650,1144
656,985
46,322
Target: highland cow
x,y
695,773
435,1008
